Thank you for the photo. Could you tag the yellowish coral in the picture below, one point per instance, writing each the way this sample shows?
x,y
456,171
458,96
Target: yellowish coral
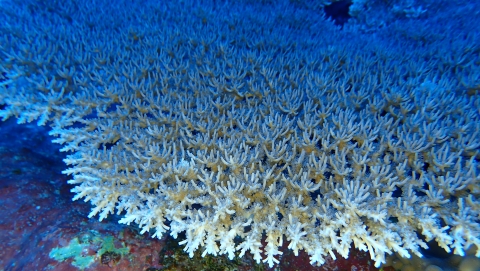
x,y
194,120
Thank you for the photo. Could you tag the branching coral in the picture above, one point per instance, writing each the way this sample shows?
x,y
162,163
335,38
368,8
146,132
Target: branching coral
x,y
219,124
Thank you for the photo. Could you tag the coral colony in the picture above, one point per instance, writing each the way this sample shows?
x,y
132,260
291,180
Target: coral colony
x,y
246,125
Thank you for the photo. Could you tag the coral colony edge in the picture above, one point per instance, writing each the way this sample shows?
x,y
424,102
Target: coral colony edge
x,y
245,125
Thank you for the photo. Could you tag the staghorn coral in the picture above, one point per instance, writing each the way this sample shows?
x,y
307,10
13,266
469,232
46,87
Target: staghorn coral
x,y
233,126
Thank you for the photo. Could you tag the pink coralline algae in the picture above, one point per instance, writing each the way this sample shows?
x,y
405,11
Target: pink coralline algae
x,y
269,134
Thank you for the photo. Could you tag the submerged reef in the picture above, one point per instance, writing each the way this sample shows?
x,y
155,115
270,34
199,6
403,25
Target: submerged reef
x,y
244,125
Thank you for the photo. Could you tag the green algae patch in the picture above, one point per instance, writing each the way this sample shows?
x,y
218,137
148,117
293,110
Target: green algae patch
x,y
73,250
109,246
78,250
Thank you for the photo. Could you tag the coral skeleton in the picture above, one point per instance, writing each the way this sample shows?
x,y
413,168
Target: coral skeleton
x,y
257,124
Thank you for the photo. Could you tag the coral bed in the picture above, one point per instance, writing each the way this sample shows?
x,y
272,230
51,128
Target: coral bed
x,y
230,123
